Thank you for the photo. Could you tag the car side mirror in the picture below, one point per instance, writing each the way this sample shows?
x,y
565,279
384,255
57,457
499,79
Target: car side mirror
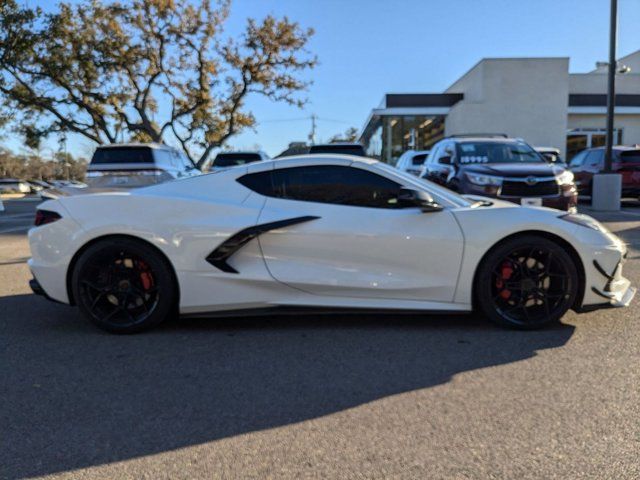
x,y
417,198
446,160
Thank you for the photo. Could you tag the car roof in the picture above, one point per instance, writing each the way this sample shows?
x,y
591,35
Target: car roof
x,y
319,158
337,144
161,146
482,139
617,147
241,152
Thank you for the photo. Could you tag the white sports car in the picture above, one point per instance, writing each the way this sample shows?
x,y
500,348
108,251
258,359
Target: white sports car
x,y
321,231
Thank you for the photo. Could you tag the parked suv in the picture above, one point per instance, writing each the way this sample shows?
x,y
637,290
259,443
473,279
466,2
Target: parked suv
x,y
502,167
137,165
412,161
626,161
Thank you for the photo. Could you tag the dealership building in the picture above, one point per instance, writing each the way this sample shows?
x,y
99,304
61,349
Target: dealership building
x,y
535,99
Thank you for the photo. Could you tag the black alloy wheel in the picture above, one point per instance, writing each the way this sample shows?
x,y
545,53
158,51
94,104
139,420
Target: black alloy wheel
x,y
527,282
123,286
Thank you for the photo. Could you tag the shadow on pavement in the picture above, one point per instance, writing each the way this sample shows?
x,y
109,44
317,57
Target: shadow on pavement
x,y
75,397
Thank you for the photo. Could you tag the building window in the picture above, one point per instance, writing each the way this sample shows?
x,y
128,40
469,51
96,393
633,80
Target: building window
x,y
416,132
582,138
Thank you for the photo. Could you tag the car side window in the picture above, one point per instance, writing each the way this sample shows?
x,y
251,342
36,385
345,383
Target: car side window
x,y
419,159
445,151
594,158
326,184
164,158
182,161
433,156
578,160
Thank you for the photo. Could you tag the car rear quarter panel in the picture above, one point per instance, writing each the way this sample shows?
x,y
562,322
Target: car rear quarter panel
x,y
186,221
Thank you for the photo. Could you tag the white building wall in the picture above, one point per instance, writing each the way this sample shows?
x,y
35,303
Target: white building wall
x,y
632,61
522,97
596,83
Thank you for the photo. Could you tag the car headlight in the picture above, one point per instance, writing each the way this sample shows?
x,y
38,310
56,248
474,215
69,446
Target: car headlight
x,y
480,179
585,221
565,178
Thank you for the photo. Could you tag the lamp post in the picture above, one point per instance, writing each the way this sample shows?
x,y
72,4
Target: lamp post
x,y
607,186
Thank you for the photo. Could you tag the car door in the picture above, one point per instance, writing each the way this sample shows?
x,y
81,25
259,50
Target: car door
x,y
582,177
627,164
349,238
431,165
442,168
593,163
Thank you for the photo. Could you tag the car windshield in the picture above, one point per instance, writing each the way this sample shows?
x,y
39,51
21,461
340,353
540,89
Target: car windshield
x,y
419,158
122,155
338,149
233,159
496,152
630,156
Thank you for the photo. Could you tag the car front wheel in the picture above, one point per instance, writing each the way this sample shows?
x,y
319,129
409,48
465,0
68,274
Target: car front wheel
x,y
526,282
123,285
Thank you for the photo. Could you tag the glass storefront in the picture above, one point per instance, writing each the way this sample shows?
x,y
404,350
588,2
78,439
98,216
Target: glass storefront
x,y
397,134
581,138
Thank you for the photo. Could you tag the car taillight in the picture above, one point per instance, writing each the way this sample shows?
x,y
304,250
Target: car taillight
x,y
46,216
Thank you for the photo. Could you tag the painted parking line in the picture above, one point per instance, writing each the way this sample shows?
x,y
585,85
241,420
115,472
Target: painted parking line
x,y
15,229
22,200
633,214
13,216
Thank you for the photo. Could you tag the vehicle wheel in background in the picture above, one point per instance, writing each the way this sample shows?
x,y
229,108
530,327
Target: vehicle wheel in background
x,y
526,282
124,286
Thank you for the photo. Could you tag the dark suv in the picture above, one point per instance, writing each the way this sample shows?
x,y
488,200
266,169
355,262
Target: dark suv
x,y
626,161
502,167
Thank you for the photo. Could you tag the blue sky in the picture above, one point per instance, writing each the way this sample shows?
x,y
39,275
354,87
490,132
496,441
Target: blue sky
x,y
370,47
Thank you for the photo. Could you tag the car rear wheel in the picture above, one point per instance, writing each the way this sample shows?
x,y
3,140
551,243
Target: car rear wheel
x,y
526,282
123,285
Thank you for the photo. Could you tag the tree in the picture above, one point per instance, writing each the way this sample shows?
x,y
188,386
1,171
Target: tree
x,y
28,167
349,135
149,70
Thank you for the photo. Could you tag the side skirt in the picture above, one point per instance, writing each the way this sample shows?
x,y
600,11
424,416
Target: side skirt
x,y
295,310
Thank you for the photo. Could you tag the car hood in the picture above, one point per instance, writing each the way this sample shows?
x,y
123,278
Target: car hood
x,y
515,169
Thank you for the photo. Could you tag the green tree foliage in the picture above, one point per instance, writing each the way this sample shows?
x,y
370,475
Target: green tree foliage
x,y
147,70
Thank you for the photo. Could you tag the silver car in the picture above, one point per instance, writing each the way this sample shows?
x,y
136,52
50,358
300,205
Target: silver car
x,y
137,165
412,161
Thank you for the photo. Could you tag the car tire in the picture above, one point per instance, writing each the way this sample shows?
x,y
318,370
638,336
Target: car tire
x,y
123,285
526,282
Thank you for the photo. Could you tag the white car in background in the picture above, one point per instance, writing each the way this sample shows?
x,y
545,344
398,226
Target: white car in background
x,y
412,161
12,185
134,165
328,232
551,154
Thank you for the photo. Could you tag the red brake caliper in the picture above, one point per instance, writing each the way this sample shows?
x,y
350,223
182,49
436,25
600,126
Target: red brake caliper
x,y
145,276
505,274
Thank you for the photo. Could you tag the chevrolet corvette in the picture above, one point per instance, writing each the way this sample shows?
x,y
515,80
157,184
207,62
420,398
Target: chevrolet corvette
x,y
318,232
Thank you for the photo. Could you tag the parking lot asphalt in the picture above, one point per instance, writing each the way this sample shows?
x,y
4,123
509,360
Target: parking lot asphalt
x,y
359,396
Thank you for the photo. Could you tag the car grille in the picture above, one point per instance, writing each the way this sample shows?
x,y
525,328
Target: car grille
x,y
521,189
